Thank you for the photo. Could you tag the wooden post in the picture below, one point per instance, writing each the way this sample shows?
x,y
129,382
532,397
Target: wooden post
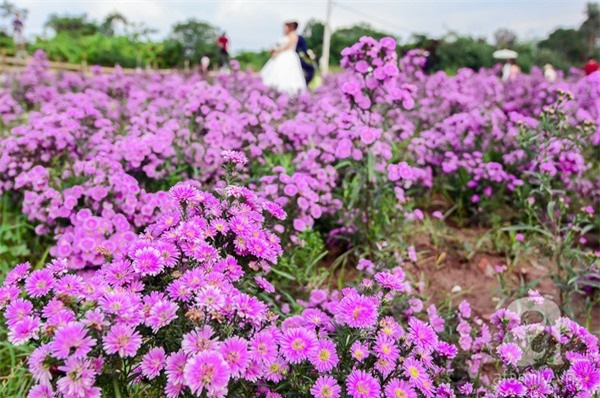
x,y
3,60
84,64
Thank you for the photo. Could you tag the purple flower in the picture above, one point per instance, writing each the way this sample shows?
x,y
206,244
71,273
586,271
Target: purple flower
x,y
510,353
585,374
153,362
235,352
39,283
122,339
358,311
361,384
325,387
72,340
398,388
297,344
324,357
207,371
509,388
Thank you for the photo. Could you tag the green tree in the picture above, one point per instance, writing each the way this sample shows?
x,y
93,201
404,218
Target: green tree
x,y
78,25
590,29
569,43
345,37
313,33
464,51
195,38
108,26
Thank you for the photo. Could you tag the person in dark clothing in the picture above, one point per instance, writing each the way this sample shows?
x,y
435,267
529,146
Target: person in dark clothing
x,y
306,59
223,43
432,61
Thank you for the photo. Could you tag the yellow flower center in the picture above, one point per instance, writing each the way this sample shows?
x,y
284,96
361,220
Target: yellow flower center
x,y
414,372
274,368
399,393
298,344
361,388
324,355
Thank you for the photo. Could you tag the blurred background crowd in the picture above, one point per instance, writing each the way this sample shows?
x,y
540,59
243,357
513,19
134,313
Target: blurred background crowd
x,y
116,40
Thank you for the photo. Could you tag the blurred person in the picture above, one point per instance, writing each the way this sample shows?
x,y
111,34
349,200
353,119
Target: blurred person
x,y
510,70
18,37
283,71
591,66
550,73
432,60
306,56
204,64
223,43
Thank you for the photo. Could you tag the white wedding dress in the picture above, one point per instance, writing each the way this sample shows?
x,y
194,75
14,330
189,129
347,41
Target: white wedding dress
x,y
284,72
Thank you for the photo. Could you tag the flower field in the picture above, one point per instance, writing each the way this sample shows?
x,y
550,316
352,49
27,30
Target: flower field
x,y
164,235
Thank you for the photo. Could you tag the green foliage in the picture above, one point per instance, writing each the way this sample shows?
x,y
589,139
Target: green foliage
x,y
344,37
97,49
196,38
553,221
465,52
301,266
569,43
77,25
254,60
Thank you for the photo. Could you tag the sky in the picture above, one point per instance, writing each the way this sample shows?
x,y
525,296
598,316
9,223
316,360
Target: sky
x,y
256,24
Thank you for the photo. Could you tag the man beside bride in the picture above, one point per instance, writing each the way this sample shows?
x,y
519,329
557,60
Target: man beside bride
x,y
284,71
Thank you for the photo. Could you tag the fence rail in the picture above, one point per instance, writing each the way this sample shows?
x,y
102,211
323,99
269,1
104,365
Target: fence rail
x,y
9,63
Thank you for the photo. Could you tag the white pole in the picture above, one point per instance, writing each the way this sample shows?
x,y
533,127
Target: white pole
x,y
326,40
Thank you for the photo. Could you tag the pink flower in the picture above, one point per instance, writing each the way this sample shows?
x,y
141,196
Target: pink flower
x,y
24,330
207,371
148,261
325,357
72,340
361,384
398,388
368,135
325,387
263,347
153,362
78,380
358,311
174,367
161,314
297,344
235,353
510,353
422,335
415,371
264,284
198,340
38,366
122,339
39,283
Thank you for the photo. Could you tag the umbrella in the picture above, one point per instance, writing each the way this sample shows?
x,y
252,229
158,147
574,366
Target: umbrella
x,y
505,54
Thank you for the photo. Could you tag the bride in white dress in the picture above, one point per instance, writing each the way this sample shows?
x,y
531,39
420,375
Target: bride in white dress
x,y
283,71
